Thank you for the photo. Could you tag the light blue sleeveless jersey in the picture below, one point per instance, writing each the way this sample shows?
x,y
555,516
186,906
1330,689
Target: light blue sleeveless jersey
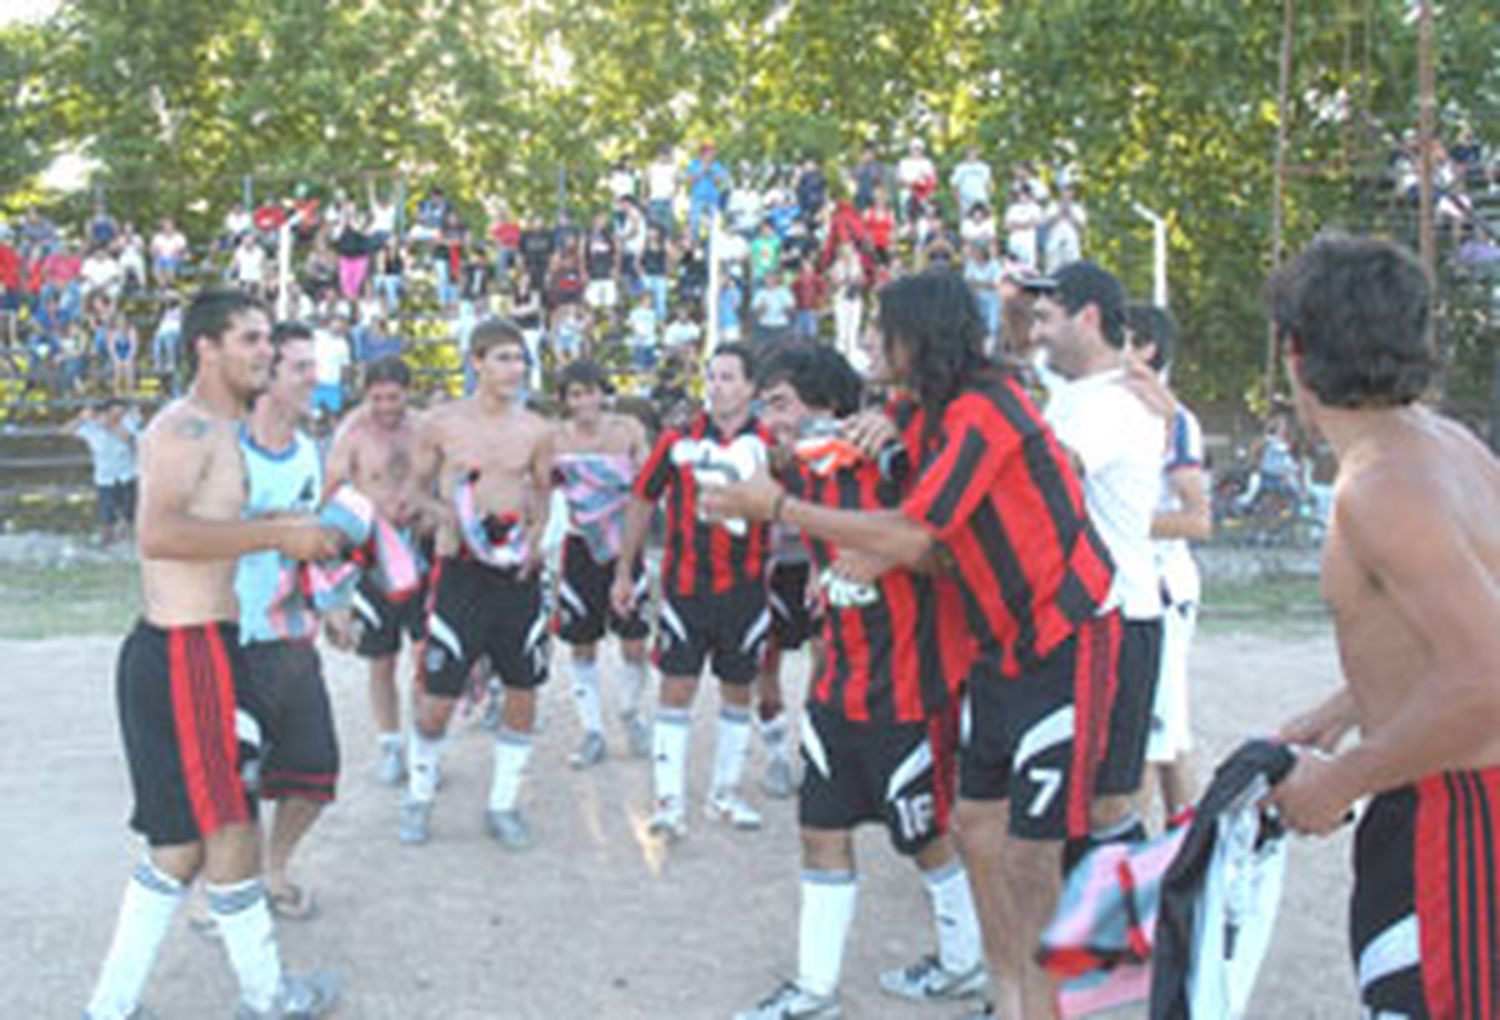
x,y
272,605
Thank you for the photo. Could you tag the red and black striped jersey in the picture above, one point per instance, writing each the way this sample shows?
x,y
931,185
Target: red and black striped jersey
x,y
885,659
996,489
701,558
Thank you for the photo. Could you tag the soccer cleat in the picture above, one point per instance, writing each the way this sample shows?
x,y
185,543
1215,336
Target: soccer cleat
x,y
728,806
509,829
415,818
778,781
637,734
789,1002
300,998
590,752
928,980
391,769
668,820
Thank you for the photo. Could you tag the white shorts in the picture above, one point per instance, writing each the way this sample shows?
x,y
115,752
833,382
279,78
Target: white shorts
x,y
1171,727
600,294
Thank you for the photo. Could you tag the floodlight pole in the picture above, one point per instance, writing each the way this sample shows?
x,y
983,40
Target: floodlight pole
x,y
1158,254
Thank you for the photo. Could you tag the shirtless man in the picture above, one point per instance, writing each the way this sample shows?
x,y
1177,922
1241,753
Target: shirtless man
x,y
372,451
598,453
481,477
1418,627
191,740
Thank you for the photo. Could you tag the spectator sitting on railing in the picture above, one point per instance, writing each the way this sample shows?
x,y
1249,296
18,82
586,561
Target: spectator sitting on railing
x,y
121,345
110,433
168,334
131,252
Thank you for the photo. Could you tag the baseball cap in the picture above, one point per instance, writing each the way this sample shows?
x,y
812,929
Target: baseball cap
x,y
1082,283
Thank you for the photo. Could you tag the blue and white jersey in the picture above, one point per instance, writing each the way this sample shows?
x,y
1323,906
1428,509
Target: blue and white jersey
x,y
1174,559
273,604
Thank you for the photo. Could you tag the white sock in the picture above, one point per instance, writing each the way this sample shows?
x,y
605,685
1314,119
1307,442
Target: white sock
x,y
512,751
146,912
733,746
828,899
244,921
670,740
953,916
586,695
632,685
422,762
773,733
389,741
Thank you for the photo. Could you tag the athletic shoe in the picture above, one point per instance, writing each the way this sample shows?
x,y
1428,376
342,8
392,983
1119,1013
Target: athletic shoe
x,y
391,769
415,816
300,998
928,980
590,753
792,1003
728,806
637,734
778,782
509,829
668,820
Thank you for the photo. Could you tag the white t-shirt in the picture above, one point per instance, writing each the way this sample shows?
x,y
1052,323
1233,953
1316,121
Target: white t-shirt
x,y
1119,443
1174,559
682,332
250,263
913,169
661,181
1021,219
99,272
1064,237
622,183
733,250
745,210
331,354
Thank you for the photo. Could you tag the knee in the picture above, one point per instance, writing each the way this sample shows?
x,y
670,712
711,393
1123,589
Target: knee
x,y
677,692
827,850
979,829
737,695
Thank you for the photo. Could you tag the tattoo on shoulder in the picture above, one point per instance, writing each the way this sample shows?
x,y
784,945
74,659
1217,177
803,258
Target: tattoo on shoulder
x,y
194,428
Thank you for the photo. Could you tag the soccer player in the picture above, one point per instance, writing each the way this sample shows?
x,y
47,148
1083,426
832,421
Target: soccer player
x,y
597,455
278,625
373,451
489,461
881,720
1409,571
713,586
1182,515
1116,441
181,681
996,493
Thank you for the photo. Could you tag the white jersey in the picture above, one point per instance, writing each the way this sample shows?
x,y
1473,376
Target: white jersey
x,y
1174,558
1118,441
276,481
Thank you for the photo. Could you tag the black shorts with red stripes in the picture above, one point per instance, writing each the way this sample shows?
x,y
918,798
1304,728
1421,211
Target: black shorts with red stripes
x,y
899,774
479,610
728,629
302,748
382,620
1136,678
1425,911
583,605
192,730
1037,739
794,617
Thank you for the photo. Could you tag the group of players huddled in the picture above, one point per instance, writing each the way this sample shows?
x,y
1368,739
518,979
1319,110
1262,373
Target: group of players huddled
x,y
998,600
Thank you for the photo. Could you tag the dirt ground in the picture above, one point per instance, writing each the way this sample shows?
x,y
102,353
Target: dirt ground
x,y
596,921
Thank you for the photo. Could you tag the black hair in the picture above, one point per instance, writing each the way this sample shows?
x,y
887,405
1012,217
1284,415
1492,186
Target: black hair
x,y
1154,325
389,369
821,376
207,317
1355,311
932,315
583,372
737,350
495,332
284,333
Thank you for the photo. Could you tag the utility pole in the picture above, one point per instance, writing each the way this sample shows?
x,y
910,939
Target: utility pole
x,y
1426,139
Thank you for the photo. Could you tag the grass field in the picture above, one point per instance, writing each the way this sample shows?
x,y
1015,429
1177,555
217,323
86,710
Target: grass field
x,y
78,598
104,598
